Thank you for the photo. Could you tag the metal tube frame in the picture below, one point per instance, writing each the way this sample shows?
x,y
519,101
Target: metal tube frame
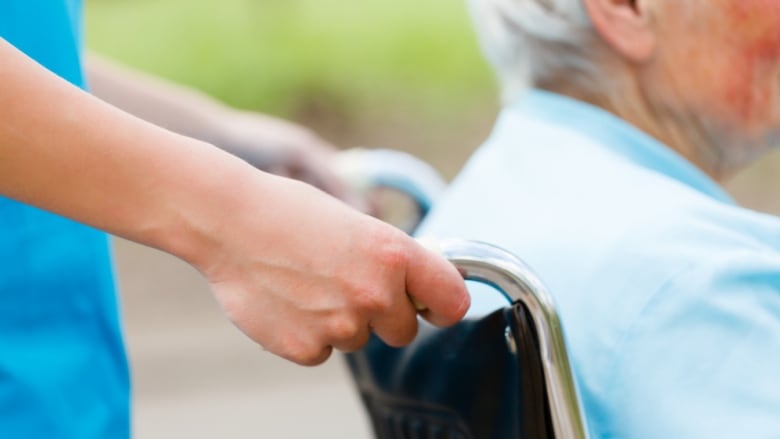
x,y
504,271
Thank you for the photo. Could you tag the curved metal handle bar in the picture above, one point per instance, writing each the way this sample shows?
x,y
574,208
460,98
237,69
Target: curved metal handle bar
x,y
397,170
504,271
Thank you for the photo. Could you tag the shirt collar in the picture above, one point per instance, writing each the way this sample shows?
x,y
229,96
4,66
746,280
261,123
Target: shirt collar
x,y
618,136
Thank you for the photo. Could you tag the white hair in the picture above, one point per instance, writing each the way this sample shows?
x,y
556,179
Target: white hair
x,y
537,41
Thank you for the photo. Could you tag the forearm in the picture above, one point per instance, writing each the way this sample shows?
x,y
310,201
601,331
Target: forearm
x,y
68,152
179,109
265,142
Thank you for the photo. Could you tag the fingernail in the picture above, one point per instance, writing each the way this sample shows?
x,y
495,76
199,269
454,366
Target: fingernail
x,y
417,305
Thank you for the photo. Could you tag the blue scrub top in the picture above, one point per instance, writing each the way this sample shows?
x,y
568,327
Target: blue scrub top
x,y
669,293
63,370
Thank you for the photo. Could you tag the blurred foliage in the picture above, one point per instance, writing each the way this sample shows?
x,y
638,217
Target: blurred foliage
x,y
301,58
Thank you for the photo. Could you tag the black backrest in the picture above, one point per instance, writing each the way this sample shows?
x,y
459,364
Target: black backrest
x,y
480,379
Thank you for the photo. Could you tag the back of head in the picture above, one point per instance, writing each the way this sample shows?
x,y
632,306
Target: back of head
x,y
536,42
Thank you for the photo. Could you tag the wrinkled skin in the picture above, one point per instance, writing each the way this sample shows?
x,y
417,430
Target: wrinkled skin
x,y
718,62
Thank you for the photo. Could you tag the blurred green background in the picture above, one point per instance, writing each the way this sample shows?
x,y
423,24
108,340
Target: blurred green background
x,y
405,74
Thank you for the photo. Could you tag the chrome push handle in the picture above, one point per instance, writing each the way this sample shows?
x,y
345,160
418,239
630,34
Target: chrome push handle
x,y
504,271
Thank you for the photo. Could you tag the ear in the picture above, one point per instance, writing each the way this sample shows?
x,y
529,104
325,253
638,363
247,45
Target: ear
x,y
625,26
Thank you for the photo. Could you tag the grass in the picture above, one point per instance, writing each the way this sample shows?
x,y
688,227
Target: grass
x,y
298,57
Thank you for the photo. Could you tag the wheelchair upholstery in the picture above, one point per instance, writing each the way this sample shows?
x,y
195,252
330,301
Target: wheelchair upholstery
x,y
481,379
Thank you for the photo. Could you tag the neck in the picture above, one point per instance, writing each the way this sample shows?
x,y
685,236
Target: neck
x,y
682,130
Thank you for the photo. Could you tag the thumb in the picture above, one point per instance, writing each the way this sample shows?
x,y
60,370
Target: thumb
x,y
436,287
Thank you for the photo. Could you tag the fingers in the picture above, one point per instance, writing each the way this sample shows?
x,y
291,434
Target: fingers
x,y
398,326
312,356
349,334
428,283
436,285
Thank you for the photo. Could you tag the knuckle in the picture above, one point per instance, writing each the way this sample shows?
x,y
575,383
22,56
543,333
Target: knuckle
x,y
375,300
311,356
355,343
343,328
359,341
394,255
300,352
403,334
391,248
407,332
407,337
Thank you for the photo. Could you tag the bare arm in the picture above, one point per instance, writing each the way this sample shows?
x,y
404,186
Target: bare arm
x,y
297,271
266,142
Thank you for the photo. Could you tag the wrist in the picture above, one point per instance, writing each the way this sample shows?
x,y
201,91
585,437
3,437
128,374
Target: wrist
x,y
210,191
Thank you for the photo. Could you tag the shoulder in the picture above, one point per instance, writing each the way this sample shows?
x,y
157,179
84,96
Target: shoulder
x,y
700,359
670,297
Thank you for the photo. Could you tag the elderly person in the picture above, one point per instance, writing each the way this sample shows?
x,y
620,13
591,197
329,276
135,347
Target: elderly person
x,y
622,119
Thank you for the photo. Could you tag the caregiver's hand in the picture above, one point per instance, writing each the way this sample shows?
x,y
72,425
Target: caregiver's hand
x,y
316,276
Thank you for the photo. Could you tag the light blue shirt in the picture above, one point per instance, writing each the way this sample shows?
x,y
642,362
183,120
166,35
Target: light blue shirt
x,y
63,371
669,293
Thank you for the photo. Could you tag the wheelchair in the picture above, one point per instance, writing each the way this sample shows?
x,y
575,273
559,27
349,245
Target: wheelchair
x,y
502,376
